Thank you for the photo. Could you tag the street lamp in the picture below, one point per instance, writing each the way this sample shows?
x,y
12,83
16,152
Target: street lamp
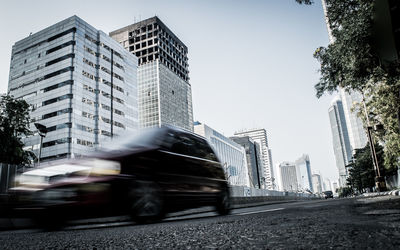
x,y
42,132
379,180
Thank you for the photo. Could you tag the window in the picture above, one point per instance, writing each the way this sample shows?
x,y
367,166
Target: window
x,y
58,72
84,142
57,99
56,142
56,113
60,47
72,55
59,85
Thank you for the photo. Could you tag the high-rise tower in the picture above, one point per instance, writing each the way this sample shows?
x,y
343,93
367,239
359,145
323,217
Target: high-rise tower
x,y
80,83
260,136
341,142
164,92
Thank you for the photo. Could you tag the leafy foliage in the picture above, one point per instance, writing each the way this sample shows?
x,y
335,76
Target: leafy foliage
x,y
352,62
362,172
306,2
14,122
344,191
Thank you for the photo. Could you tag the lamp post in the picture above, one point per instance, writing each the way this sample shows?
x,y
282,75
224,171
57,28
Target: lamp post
x,y
379,180
42,132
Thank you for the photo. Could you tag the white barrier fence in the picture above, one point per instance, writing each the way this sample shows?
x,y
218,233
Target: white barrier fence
x,y
237,191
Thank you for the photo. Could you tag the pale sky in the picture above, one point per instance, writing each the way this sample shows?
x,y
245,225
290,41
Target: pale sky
x,y
250,62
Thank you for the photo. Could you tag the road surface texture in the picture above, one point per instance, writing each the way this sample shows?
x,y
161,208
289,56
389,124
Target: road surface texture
x,y
372,223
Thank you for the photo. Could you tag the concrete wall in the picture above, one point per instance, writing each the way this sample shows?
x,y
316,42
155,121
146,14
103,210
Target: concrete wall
x,y
237,191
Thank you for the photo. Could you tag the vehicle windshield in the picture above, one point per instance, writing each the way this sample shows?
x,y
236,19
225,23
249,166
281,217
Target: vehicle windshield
x,y
143,138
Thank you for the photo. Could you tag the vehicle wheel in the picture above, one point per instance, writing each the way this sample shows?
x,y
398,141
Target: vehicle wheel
x,y
223,202
50,220
146,203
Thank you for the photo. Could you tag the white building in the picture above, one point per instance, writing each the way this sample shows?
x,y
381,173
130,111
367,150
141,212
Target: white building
x,y
288,176
303,169
260,136
327,185
231,155
80,83
317,183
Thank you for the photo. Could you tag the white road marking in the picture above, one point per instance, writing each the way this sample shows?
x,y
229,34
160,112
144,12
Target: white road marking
x,y
262,211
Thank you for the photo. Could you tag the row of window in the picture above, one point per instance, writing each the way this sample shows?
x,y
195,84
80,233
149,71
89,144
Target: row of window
x,y
102,68
58,47
92,130
115,123
39,67
67,140
45,41
59,126
102,118
57,99
96,66
116,111
103,45
57,142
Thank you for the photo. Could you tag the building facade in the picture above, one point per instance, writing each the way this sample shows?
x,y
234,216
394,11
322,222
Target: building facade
x,y
317,183
288,176
341,143
80,83
260,136
355,128
303,168
164,92
231,155
254,159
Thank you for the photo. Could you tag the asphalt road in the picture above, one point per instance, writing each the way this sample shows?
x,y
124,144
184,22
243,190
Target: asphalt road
x,y
341,224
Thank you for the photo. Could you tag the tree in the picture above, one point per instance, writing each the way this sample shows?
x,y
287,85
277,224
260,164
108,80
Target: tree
x,y
362,172
14,122
306,2
352,62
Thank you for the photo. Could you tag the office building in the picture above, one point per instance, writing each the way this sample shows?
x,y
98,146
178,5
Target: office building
x,y
260,136
303,168
334,186
355,128
80,83
317,183
340,138
288,176
327,185
254,159
231,155
164,92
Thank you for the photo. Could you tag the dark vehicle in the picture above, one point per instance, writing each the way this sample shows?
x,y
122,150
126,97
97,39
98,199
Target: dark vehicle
x,y
158,171
328,194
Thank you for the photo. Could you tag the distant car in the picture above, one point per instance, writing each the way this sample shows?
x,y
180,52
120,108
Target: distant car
x,y
328,194
159,170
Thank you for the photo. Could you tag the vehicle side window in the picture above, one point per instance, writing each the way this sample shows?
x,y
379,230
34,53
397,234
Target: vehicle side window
x,y
203,150
182,144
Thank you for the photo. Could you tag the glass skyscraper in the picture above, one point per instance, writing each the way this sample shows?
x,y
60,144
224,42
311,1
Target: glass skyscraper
x,y
303,168
341,143
357,133
260,136
164,92
80,83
